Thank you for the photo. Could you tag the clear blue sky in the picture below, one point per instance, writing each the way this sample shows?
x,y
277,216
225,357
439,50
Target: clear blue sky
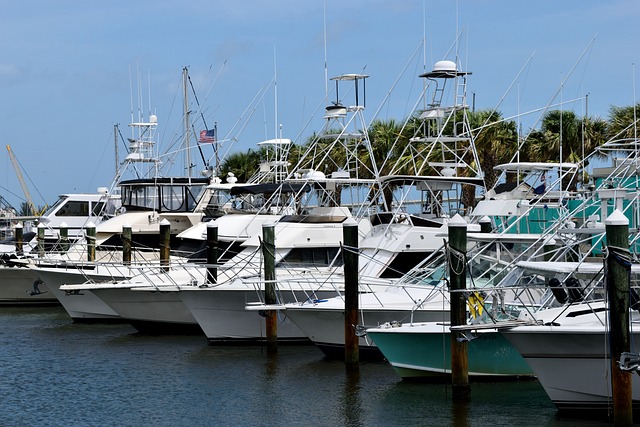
x,y
66,66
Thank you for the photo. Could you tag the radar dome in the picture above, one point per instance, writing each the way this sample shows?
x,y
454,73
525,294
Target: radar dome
x,y
445,66
154,119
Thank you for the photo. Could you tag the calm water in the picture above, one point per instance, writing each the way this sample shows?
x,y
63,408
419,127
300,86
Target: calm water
x,y
56,373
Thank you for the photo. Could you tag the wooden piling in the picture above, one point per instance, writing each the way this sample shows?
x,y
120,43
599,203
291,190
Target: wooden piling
x,y
126,244
64,237
618,282
40,239
165,243
212,252
90,233
269,262
18,231
457,229
485,225
350,258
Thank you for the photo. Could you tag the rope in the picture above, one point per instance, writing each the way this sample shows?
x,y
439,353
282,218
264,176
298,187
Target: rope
x,y
458,256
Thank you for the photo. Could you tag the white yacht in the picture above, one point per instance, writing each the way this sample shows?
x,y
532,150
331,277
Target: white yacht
x,y
72,212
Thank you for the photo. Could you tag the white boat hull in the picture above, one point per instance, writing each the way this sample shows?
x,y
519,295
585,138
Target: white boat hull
x,y
221,313
325,327
18,287
571,363
82,306
160,311
322,321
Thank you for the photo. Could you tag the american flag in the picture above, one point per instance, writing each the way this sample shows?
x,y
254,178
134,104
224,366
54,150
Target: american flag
x,y
207,136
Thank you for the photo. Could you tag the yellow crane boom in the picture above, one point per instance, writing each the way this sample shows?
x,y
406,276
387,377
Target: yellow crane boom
x,y
23,184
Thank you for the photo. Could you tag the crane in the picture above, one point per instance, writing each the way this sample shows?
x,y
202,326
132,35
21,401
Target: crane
x,y
25,190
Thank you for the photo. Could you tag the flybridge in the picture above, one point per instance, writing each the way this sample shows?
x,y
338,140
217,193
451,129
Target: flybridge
x,y
169,194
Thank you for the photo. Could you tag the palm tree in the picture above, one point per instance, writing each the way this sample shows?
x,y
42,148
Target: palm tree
x,y
565,137
496,142
623,122
243,164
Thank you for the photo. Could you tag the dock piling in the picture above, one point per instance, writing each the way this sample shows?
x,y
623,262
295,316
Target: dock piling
x,y
350,257
212,252
268,254
90,236
457,229
165,243
618,283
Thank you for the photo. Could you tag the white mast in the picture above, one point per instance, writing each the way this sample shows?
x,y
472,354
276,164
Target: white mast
x,y
187,122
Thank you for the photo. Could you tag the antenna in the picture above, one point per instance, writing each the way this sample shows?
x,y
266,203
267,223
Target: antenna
x,y
275,88
326,71
131,101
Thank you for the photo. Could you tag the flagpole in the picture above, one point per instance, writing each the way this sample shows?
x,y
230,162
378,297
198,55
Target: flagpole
x,y
215,147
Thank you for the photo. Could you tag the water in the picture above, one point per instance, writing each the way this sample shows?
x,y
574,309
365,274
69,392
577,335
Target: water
x,y
56,373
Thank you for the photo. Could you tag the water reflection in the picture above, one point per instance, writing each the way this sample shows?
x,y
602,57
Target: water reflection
x,y
351,400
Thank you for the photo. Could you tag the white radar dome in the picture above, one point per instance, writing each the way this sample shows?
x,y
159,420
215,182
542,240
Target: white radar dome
x,y
153,118
444,66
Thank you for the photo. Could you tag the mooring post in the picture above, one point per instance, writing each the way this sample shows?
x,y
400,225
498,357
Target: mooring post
x,y
485,225
90,232
64,237
618,283
269,261
350,258
165,243
40,239
212,252
457,228
19,235
126,243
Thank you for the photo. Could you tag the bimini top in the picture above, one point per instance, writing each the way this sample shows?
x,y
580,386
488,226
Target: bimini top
x,y
166,180
269,188
535,166
444,70
409,179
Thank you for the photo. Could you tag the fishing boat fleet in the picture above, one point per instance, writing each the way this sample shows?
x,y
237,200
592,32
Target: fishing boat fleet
x,y
190,255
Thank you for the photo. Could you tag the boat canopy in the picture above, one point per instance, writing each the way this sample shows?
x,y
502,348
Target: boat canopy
x,y
566,267
269,188
412,179
534,166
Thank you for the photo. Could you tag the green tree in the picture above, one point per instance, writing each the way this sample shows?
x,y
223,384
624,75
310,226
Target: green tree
x,y
244,165
623,122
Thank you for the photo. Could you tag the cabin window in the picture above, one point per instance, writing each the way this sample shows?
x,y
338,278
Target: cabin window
x,y
180,198
74,208
312,256
142,197
402,263
97,208
173,198
55,206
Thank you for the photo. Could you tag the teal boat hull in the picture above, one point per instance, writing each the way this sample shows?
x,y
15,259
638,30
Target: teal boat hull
x,y
426,355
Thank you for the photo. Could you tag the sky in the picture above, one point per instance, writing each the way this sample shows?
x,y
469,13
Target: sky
x,y
70,70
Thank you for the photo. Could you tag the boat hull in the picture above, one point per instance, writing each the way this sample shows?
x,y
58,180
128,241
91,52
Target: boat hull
x,y
221,313
325,326
572,364
154,312
423,351
82,306
18,287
